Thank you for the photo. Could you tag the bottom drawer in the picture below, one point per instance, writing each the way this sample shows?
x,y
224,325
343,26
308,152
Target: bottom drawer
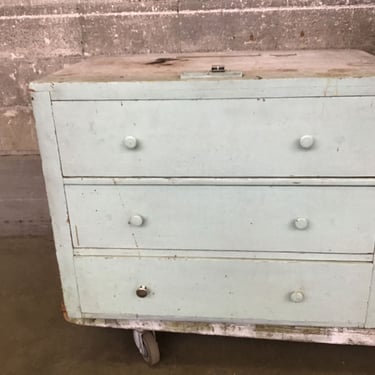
x,y
282,292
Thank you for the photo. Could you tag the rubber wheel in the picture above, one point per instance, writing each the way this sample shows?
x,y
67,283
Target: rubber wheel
x,y
152,355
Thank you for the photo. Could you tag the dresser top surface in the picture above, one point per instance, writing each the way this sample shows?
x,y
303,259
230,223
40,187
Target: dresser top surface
x,y
253,65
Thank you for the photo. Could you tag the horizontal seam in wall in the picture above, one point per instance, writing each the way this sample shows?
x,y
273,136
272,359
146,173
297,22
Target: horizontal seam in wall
x,y
188,12
17,106
23,199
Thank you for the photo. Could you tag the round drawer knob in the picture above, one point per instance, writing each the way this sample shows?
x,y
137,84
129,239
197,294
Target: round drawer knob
x,y
130,142
142,291
297,296
136,220
306,141
301,223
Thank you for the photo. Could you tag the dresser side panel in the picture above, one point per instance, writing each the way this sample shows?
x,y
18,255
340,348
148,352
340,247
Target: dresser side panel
x,y
56,200
370,319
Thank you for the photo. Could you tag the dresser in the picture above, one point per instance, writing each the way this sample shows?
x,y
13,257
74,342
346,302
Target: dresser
x,y
229,194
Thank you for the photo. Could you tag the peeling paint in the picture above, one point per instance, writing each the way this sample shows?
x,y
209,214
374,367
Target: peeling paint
x,y
327,335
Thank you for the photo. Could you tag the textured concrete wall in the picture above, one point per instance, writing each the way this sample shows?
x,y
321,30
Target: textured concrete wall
x,y
40,36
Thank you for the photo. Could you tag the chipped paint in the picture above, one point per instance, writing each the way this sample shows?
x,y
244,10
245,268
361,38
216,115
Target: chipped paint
x,y
135,241
328,335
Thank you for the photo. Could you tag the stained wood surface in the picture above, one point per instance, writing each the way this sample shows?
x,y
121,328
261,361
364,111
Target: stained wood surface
x,y
254,65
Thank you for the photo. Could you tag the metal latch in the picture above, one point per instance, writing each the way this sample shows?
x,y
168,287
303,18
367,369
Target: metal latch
x,y
217,68
216,71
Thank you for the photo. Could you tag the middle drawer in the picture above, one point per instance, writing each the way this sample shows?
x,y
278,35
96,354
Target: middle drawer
x,y
253,218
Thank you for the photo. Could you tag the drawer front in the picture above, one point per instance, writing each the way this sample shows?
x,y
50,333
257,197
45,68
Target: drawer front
x,y
237,137
313,293
256,218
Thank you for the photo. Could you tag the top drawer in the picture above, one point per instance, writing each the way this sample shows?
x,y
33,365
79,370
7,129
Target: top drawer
x,y
217,138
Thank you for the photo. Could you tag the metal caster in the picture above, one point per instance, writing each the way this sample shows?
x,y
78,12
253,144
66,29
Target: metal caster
x,y
147,346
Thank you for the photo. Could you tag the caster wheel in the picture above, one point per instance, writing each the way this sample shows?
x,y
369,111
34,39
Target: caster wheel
x,y
151,354
147,346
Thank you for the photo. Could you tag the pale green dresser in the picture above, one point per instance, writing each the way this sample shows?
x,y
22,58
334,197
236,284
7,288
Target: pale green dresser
x,y
229,194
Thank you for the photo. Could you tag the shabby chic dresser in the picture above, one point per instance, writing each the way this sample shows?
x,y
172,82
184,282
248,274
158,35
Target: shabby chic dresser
x,y
227,194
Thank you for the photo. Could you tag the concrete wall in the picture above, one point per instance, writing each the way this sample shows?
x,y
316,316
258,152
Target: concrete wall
x,y
40,36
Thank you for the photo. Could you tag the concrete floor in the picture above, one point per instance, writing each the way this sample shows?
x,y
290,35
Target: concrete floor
x,y
36,340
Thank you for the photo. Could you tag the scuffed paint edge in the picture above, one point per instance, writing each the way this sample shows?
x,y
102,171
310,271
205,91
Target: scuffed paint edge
x,y
348,336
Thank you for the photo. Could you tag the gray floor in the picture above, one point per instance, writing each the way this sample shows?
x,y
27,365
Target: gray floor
x,y
36,340
23,200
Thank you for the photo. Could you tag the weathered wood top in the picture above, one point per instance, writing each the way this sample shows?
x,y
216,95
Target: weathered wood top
x,y
253,64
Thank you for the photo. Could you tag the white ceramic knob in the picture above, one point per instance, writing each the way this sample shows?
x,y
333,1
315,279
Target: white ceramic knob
x,y
306,141
301,223
297,296
136,220
130,142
